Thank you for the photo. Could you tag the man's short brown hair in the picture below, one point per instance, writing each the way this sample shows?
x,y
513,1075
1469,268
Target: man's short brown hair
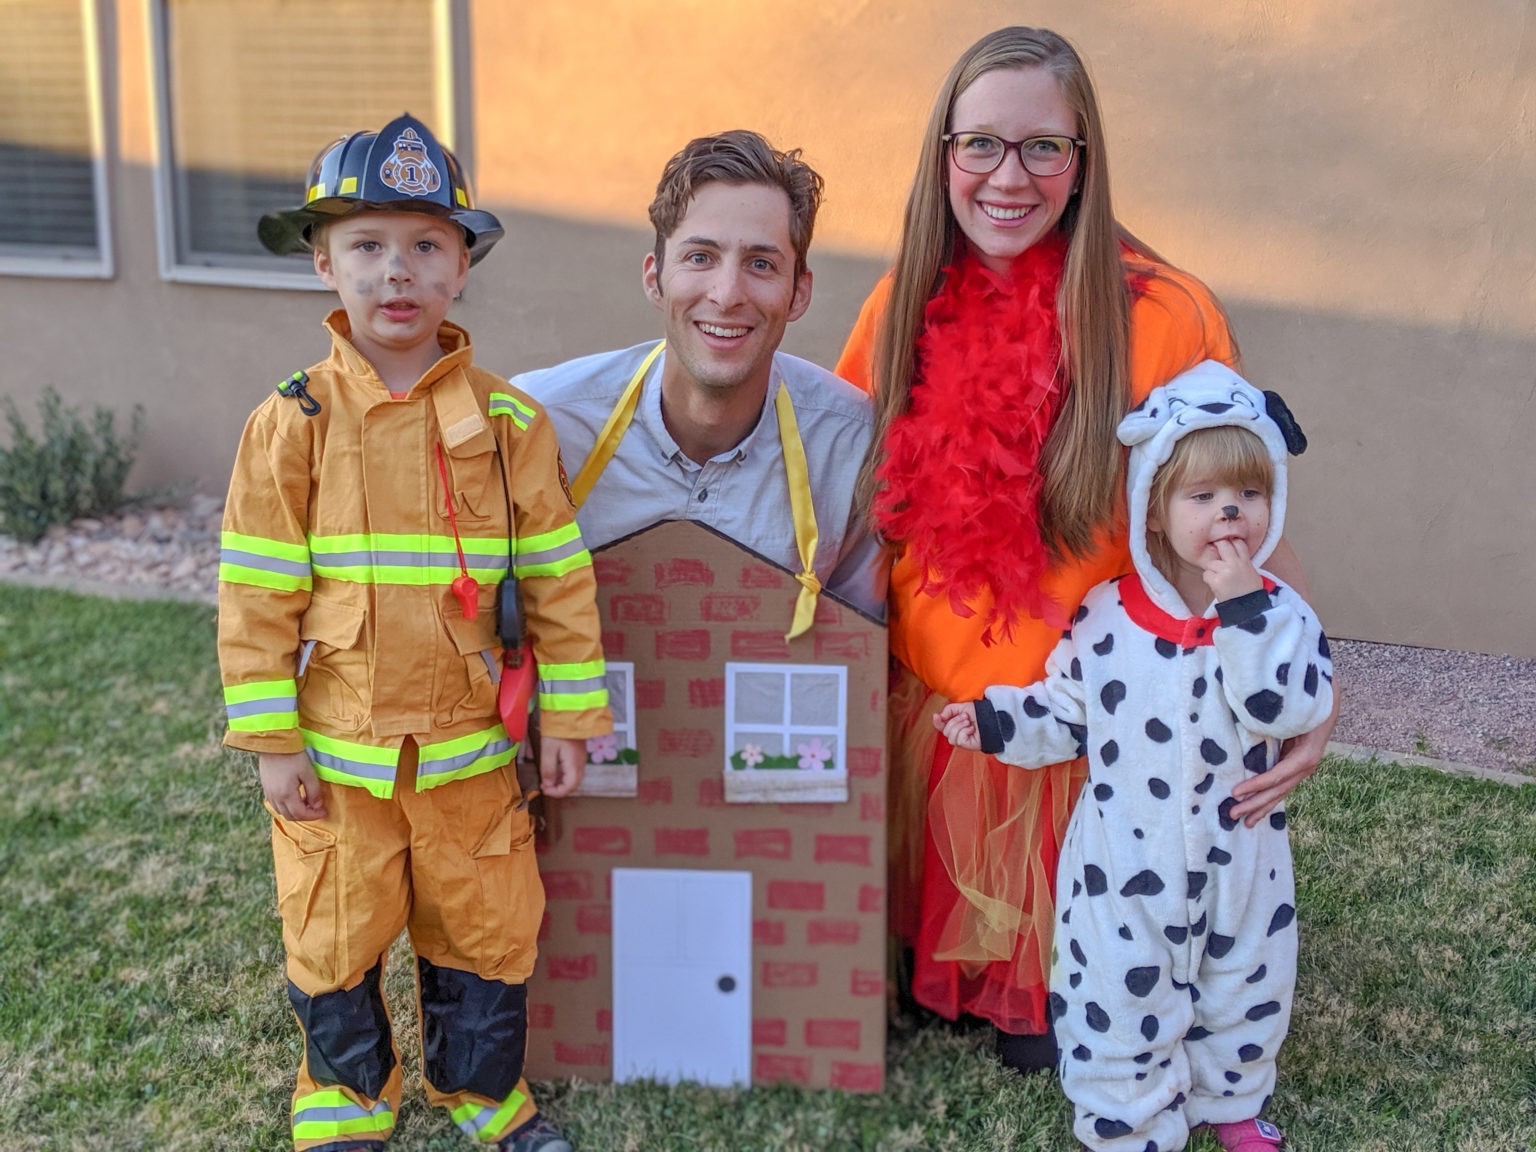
x,y
737,157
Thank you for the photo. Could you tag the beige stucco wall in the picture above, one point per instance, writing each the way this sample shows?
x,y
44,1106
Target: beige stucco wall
x,y
1354,178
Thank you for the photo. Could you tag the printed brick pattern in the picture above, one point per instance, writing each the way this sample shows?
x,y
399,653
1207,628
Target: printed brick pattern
x,y
729,609
707,693
818,916
682,842
763,843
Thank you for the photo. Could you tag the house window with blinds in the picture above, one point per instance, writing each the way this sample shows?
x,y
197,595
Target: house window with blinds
x,y
251,90
53,215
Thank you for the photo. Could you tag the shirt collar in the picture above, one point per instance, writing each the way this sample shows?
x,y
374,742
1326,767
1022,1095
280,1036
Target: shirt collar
x,y
648,416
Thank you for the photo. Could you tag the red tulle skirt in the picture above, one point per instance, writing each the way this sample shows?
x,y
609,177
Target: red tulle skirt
x,y
974,846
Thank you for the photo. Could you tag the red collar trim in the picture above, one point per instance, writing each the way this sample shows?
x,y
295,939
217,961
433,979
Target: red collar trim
x,y
1186,632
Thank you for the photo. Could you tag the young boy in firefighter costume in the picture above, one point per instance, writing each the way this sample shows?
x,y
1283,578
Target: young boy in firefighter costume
x,y
380,502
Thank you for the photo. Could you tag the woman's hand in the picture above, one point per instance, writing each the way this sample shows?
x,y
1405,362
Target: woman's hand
x,y
1258,795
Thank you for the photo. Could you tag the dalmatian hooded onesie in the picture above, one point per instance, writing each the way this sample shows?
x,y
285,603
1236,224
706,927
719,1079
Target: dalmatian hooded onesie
x,y
1175,953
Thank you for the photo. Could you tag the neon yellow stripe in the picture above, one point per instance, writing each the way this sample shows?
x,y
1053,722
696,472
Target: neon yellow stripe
x,y
582,559
573,702
363,753
378,1120
277,581
502,404
470,748
494,1128
413,577
582,671
478,768
405,542
324,1098
383,1124
259,690
551,539
380,784
264,546
327,1129
472,740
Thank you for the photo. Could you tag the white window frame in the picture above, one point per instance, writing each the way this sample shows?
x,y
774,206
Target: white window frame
x,y
751,785
616,778
68,263
455,129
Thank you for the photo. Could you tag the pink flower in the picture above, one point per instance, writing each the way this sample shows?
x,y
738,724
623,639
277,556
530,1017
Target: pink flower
x,y
813,753
601,749
751,755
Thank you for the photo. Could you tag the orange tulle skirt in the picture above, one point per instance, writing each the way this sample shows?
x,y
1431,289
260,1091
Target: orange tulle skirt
x,y
974,844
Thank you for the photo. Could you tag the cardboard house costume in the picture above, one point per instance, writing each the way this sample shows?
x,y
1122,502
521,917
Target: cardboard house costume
x,y
1176,938
716,892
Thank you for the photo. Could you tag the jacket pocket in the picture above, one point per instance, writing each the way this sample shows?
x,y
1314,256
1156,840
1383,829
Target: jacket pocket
x,y
475,481
334,679
466,691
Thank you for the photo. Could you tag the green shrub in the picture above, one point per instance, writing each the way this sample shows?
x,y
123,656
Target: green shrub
x,y
70,470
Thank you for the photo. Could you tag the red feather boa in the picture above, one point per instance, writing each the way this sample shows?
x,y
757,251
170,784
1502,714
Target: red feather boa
x,y
961,477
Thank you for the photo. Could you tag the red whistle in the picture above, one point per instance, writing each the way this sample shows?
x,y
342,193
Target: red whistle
x,y
467,589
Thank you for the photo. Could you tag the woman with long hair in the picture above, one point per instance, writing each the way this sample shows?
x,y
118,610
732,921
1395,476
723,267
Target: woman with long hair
x,y
1017,326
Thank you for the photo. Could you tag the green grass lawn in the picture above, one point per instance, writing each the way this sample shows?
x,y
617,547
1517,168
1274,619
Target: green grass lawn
x,y
141,995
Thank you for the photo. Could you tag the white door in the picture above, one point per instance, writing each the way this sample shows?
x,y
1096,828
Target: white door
x,y
682,976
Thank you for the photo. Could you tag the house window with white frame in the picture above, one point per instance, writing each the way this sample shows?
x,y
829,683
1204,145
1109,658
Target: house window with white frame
x,y
613,761
53,203
786,733
249,91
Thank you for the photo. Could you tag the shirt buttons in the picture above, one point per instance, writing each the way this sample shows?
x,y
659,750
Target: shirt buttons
x,y
701,495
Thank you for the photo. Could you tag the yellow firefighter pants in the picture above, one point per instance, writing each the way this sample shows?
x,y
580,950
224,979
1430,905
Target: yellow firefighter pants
x,y
455,867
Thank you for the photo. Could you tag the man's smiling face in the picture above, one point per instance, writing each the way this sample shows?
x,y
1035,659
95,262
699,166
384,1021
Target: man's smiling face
x,y
728,288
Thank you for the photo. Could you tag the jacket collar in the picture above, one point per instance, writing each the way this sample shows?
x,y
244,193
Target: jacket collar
x,y
344,358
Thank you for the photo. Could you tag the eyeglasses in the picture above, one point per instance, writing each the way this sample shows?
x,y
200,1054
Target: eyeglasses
x,y
980,152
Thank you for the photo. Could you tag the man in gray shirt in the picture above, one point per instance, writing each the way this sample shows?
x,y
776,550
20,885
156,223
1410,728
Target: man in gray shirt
x,y
714,423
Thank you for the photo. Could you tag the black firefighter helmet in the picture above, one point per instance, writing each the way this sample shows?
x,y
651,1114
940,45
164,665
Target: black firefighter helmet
x,y
401,168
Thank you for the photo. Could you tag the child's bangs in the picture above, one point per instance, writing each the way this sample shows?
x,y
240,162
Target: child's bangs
x,y
1223,455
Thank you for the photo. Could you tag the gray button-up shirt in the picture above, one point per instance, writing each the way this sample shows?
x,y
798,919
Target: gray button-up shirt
x,y
742,493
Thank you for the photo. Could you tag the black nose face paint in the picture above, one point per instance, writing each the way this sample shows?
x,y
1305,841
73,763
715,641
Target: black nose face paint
x,y
1229,512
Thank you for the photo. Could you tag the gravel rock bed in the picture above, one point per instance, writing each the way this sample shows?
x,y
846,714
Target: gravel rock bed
x,y
1464,707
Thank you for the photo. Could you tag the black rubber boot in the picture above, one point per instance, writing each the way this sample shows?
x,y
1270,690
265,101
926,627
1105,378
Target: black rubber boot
x,y
1026,1054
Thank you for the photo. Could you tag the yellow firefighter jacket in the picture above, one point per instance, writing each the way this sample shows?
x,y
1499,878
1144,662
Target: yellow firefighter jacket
x,y
339,633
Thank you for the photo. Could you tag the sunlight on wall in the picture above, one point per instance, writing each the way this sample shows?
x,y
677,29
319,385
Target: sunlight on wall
x,y
1311,153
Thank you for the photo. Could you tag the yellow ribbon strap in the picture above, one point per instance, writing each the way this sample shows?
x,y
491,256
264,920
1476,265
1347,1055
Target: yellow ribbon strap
x,y
802,508
803,511
613,431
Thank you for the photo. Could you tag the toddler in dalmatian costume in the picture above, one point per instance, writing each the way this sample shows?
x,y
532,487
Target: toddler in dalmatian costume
x,y
1175,957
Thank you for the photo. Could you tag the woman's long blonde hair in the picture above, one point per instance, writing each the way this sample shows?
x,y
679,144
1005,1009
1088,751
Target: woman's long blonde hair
x,y
1081,459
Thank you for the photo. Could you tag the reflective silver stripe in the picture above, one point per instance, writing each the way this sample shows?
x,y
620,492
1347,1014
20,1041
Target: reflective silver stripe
x,y
471,1126
549,555
344,1112
463,759
352,767
392,558
570,687
304,655
263,563
259,707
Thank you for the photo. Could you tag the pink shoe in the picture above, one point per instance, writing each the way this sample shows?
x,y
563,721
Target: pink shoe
x,y
1249,1136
